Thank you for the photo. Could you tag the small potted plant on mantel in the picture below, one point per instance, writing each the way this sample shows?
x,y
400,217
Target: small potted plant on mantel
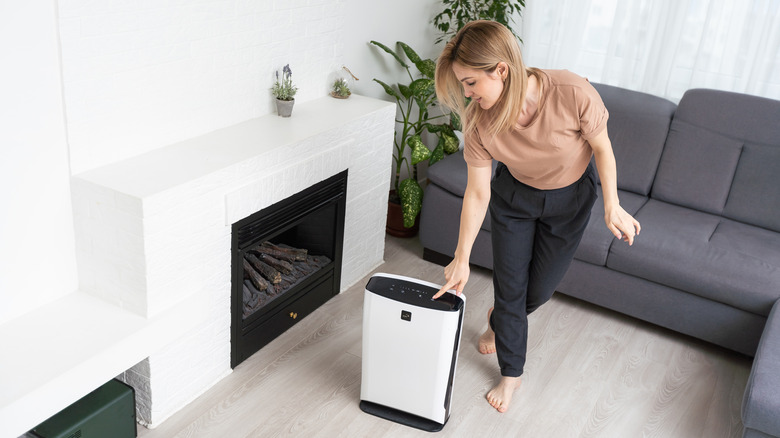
x,y
340,88
284,92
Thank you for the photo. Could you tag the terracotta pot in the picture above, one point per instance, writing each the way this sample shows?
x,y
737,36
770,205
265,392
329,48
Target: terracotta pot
x,y
395,221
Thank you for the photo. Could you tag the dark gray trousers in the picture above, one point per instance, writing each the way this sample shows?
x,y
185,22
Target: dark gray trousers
x,y
534,235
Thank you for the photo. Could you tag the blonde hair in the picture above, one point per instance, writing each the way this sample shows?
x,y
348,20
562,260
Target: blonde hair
x,y
482,45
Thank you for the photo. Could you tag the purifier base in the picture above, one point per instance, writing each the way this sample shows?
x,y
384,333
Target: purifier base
x,y
401,417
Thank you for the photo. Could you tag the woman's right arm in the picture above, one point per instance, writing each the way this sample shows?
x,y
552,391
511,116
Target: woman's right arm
x,y
475,204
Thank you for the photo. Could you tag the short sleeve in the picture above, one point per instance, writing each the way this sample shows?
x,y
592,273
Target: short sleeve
x,y
593,113
474,151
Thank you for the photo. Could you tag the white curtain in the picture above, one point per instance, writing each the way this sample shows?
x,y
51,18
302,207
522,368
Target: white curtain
x,y
662,47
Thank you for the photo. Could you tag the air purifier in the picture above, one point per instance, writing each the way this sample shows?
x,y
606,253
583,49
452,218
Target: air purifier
x,y
410,350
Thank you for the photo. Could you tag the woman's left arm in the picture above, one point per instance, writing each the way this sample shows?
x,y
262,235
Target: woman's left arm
x,y
619,222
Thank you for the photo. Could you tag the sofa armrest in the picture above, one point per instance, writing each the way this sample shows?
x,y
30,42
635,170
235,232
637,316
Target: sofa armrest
x,y
761,404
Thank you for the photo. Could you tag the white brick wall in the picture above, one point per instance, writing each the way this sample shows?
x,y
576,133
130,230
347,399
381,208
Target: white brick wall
x,y
109,250
154,231
142,74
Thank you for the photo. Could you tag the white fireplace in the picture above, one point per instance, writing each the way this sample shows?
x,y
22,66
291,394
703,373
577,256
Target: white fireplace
x,y
153,241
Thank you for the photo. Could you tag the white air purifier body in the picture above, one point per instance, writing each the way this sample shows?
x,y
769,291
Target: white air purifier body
x,y
410,350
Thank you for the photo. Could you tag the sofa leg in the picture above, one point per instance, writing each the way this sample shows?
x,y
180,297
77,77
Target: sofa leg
x,y
436,257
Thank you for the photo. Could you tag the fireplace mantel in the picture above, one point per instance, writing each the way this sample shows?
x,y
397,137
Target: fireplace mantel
x,y
136,304
155,172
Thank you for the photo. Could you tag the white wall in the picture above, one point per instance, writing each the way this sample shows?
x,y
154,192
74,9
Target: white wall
x,y
37,255
140,75
386,22
145,74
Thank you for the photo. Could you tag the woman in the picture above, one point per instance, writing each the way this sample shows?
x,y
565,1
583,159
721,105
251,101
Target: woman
x,y
543,127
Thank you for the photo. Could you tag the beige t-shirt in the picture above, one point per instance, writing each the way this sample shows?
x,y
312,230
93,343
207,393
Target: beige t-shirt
x,y
552,151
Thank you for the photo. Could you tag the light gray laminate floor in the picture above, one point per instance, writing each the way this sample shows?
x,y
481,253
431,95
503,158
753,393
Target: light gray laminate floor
x,y
590,372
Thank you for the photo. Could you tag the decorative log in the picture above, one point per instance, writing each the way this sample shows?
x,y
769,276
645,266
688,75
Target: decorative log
x,y
257,280
281,265
280,255
299,253
251,300
266,271
289,272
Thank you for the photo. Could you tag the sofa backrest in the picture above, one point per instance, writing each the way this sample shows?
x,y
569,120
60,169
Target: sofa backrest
x,y
722,156
638,125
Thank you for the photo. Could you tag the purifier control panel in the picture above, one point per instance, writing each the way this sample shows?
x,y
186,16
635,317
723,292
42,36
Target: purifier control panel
x,y
413,293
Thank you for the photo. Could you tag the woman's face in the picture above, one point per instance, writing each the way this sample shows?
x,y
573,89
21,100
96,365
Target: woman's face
x,y
482,87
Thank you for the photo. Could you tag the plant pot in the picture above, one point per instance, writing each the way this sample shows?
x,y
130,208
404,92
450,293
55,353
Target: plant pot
x,y
395,221
284,107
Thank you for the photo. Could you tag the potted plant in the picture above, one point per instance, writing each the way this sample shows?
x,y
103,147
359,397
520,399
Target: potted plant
x,y
457,13
284,92
340,89
415,101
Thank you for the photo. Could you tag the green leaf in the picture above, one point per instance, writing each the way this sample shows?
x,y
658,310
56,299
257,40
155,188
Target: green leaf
x,y
388,50
411,200
451,143
411,54
455,122
388,89
423,87
427,68
435,129
405,90
419,151
437,153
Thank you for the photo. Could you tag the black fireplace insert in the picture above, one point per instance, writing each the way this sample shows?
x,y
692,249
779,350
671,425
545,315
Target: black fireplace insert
x,y
286,262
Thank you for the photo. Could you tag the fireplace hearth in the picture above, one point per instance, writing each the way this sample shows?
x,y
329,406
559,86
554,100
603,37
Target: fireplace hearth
x,y
286,262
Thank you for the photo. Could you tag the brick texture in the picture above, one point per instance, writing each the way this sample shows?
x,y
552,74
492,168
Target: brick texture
x,y
150,253
138,75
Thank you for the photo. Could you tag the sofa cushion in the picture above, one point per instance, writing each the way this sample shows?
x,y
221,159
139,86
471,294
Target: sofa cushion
x,y
451,175
703,254
697,168
755,194
750,118
597,238
637,127
440,223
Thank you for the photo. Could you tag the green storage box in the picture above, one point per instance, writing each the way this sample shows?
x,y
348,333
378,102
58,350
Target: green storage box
x,y
108,411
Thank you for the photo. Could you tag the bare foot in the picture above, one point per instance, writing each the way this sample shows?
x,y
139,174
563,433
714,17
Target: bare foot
x,y
487,340
500,396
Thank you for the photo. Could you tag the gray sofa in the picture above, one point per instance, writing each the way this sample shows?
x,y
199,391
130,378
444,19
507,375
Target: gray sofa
x,y
702,178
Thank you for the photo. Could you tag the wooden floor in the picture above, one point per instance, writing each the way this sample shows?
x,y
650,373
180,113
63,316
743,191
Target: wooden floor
x,y
590,372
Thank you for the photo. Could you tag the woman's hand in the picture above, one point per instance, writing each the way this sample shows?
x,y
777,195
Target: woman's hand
x,y
475,204
457,275
622,224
